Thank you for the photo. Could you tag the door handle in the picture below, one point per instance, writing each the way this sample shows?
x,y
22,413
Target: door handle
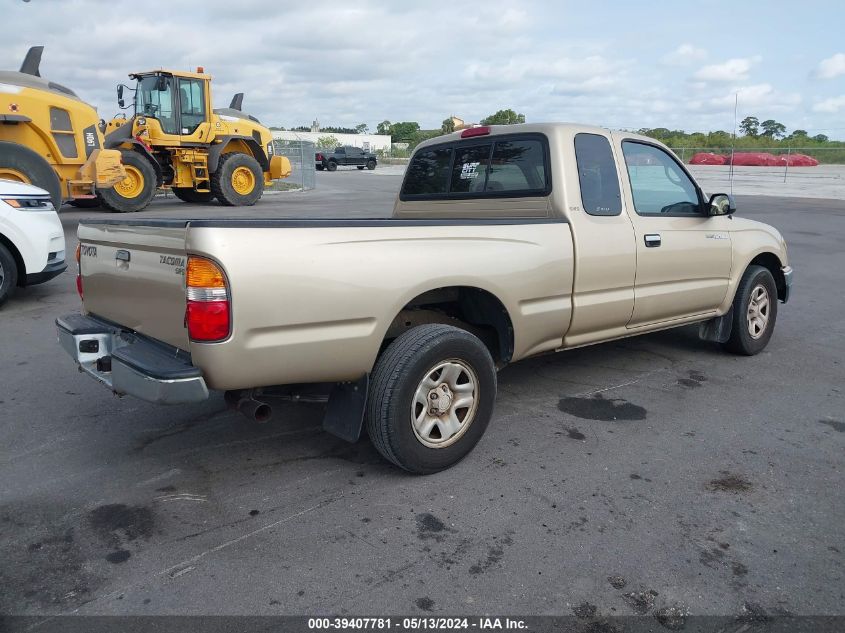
x,y
652,240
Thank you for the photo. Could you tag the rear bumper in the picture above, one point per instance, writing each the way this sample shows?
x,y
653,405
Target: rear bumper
x,y
131,364
787,282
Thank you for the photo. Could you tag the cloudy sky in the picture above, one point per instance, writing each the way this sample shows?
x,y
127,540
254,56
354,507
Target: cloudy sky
x,y
642,63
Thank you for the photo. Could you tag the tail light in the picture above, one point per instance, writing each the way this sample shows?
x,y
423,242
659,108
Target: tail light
x,y
79,270
208,313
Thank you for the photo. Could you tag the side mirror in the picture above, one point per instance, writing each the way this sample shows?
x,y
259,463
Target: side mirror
x,y
120,100
161,84
721,204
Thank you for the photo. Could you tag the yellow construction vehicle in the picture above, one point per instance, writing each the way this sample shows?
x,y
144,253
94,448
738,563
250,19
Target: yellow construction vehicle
x,y
175,140
50,138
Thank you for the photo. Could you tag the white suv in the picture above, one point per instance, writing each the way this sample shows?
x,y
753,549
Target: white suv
x,y
32,242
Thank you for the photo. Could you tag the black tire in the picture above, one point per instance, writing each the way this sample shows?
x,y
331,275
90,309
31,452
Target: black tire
x,y
221,180
84,203
360,166
8,274
332,166
319,168
394,381
34,167
371,165
186,194
112,198
742,341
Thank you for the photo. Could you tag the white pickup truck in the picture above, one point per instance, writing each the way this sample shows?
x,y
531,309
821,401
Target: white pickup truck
x,y
505,242
32,241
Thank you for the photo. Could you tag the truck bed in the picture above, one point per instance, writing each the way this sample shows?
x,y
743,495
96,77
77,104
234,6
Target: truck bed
x,y
304,289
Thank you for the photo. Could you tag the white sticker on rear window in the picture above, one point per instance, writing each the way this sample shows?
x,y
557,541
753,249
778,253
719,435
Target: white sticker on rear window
x,y
468,171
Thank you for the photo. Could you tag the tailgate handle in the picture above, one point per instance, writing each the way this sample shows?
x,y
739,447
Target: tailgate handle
x,y
123,255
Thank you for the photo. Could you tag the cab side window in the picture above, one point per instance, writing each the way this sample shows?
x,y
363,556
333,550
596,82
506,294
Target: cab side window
x,y
658,183
597,175
192,106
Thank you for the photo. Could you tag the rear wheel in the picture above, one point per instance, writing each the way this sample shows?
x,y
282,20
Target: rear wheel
x,y
186,194
238,181
332,166
360,166
8,274
319,168
134,192
22,164
431,398
755,310
371,165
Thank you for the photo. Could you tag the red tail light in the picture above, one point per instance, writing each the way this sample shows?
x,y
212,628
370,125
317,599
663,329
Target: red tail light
x,y
79,270
208,320
319,156
207,313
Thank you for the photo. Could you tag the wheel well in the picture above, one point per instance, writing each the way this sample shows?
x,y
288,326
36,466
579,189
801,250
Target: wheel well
x,y
237,144
5,241
772,263
465,307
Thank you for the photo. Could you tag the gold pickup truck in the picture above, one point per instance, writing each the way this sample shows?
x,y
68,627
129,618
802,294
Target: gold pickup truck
x,y
505,242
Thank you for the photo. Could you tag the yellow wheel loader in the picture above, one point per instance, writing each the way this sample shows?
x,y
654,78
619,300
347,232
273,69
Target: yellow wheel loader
x,y
50,138
175,140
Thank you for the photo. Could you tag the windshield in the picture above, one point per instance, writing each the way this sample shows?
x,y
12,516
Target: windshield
x,y
154,98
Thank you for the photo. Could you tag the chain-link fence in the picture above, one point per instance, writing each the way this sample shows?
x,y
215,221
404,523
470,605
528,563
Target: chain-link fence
x,y
301,156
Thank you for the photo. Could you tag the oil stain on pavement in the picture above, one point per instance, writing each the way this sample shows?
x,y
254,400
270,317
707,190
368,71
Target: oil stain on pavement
x,y
599,408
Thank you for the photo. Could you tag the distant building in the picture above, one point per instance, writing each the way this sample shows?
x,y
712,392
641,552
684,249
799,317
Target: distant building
x,y
458,123
368,142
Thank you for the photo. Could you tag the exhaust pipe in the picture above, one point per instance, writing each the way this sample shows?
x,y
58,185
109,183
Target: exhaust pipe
x,y
242,401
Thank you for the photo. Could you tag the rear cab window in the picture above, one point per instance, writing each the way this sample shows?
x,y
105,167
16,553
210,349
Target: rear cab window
x,y
506,166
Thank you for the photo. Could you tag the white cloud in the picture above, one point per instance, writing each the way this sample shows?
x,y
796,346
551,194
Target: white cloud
x,y
831,67
834,104
732,70
757,96
684,54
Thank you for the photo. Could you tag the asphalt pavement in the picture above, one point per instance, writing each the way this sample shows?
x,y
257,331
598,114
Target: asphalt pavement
x,y
636,476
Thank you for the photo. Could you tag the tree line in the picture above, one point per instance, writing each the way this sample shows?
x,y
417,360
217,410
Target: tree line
x,y
754,134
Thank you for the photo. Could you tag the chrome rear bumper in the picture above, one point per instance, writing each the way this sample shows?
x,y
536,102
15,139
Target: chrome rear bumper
x,y
131,364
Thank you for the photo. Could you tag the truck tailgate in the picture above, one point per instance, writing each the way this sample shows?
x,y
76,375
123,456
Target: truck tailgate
x,y
133,274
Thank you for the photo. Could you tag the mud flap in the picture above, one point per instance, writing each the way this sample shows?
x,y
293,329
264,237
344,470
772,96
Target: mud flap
x,y
346,408
717,330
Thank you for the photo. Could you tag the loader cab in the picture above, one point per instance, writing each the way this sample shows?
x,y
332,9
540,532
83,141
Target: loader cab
x,y
175,106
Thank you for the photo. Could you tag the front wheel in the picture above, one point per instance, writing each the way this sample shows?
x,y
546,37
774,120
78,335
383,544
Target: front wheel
x,y
134,192
755,310
8,274
431,398
238,181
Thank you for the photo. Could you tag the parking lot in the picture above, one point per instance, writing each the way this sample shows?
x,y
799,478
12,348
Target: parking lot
x,y
631,477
